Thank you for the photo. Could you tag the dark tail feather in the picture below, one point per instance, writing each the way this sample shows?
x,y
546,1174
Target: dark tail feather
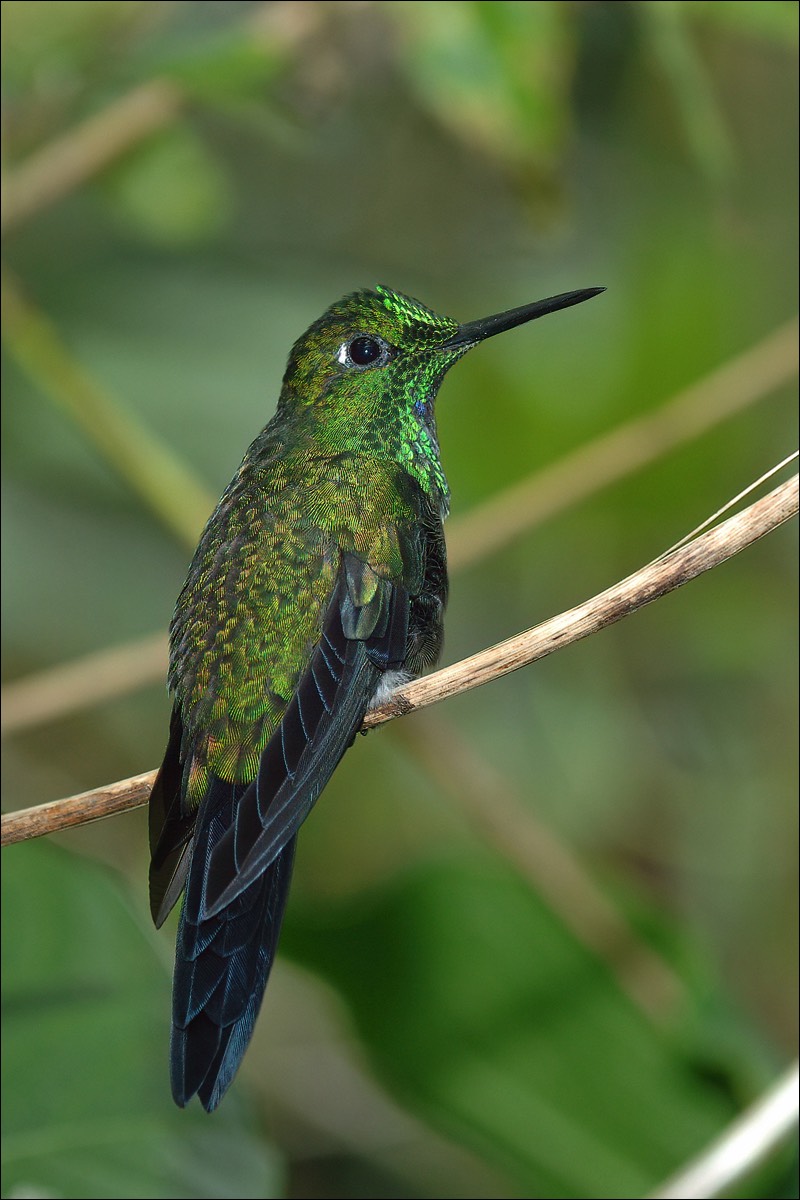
x,y
222,964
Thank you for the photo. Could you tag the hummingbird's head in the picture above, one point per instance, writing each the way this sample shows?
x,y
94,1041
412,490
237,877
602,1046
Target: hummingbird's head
x,y
366,345
366,374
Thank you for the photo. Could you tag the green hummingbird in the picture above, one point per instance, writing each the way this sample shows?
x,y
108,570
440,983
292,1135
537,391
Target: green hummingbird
x,y
319,584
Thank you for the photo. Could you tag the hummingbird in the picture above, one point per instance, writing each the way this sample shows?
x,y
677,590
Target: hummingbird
x,y
318,586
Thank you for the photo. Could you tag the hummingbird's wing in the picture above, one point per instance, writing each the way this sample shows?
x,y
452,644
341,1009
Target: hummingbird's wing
x,y
236,856
365,634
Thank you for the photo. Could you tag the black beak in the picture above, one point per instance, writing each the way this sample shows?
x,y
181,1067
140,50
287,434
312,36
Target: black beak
x,y
478,331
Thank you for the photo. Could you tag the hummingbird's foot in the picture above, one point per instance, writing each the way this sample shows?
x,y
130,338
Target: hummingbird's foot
x,y
388,684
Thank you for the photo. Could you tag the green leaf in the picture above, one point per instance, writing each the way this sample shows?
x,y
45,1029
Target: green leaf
x,y
672,39
86,1105
497,74
490,1019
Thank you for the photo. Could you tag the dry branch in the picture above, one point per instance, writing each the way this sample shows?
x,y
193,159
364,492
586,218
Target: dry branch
x,y
77,810
656,579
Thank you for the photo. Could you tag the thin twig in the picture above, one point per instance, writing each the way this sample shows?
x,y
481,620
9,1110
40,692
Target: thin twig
x,y
77,810
740,381
646,585
734,500
746,1143
49,694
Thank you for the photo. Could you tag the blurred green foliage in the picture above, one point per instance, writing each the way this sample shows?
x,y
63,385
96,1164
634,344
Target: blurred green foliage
x,y
476,155
84,992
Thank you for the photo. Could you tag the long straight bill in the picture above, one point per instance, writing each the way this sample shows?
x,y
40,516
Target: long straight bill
x,y
478,331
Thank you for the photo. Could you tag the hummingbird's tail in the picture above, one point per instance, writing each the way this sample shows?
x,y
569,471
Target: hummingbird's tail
x,y
222,963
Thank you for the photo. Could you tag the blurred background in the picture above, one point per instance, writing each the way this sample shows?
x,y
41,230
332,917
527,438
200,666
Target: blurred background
x,y
542,938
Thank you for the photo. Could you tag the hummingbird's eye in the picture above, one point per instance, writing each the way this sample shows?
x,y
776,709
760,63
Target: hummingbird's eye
x,y
364,351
